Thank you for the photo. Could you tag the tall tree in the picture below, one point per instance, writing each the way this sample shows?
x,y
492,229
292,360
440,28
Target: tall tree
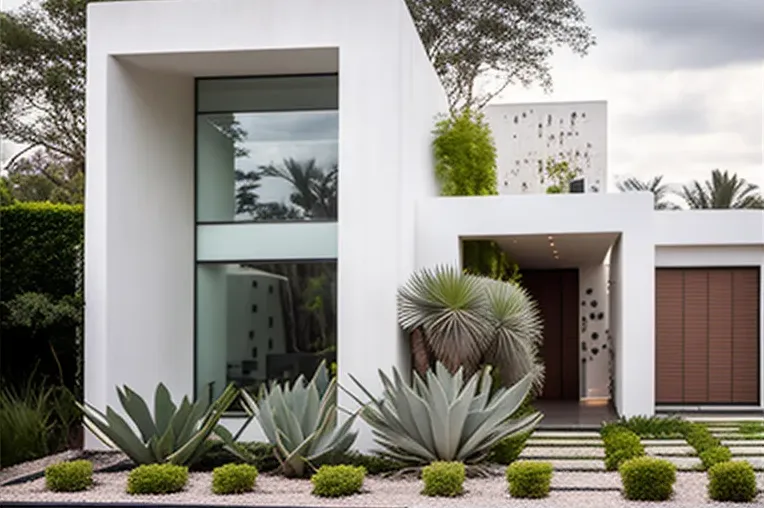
x,y
660,190
509,41
42,86
723,190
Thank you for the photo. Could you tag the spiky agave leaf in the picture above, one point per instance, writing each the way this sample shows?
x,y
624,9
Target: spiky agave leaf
x,y
517,332
299,420
443,417
449,306
174,434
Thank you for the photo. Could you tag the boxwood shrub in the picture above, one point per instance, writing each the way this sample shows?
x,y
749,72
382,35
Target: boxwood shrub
x,y
157,479
443,479
621,446
732,481
699,437
509,449
647,479
715,455
233,479
338,481
529,479
69,476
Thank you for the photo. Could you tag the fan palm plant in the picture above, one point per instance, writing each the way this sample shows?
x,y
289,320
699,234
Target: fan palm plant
x,y
723,190
660,191
464,320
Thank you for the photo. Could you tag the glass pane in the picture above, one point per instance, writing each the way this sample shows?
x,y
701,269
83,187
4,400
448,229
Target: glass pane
x,y
272,159
258,322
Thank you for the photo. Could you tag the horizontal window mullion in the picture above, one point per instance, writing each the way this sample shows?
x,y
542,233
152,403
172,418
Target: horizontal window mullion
x,y
272,241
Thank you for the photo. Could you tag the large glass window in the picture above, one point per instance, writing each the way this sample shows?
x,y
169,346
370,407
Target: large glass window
x,y
266,159
267,149
258,322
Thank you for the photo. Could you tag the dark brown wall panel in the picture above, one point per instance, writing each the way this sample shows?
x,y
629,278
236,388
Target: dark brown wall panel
x,y
720,336
745,331
668,336
695,336
569,335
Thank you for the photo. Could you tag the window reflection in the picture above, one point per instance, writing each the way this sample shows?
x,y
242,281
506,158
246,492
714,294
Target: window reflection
x,y
258,322
268,160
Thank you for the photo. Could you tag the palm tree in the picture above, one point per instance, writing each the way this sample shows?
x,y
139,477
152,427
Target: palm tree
x,y
660,191
722,191
315,191
464,320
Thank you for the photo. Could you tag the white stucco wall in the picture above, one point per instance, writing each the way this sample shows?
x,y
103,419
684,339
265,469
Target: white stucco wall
x,y
527,135
443,222
140,174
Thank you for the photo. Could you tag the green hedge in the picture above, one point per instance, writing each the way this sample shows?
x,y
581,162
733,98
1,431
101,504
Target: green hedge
x,y
40,255
39,248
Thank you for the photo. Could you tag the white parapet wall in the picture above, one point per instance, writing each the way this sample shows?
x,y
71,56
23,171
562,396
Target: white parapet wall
x,y
528,135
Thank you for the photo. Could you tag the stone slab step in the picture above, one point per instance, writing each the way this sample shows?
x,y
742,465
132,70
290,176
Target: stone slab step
x,y
747,450
562,452
661,451
576,465
744,443
566,434
563,442
685,463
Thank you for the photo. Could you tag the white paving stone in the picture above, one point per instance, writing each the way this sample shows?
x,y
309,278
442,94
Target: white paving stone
x,y
561,452
563,442
659,451
566,434
756,462
734,443
747,450
684,463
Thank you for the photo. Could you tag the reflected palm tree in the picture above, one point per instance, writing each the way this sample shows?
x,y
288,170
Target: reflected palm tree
x,y
723,190
314,190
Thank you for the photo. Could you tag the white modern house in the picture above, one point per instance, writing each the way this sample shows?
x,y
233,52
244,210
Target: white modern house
x,y
236,143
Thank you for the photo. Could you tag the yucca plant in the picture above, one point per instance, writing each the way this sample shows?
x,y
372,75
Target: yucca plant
x,y
442,418
174,434
464,319
300,421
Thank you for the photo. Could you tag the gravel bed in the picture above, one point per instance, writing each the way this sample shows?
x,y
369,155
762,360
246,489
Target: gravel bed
x,y
35,466
670,450
690,491
562,452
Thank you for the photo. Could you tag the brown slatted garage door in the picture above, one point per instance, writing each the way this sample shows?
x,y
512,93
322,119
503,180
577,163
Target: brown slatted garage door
x,y
707,335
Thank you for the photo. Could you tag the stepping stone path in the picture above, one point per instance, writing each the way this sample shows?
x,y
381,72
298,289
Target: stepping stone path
x,y
562,452
575,450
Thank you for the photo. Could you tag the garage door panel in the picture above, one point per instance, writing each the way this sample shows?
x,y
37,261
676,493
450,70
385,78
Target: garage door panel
x,y
668,340
707,335
745,347
695,336
720,336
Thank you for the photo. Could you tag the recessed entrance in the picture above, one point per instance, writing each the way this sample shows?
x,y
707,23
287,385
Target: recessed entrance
x,y
556,292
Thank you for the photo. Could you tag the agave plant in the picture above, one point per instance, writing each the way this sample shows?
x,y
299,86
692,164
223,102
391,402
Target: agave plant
x,y
300,421
440,417
464,319
174,434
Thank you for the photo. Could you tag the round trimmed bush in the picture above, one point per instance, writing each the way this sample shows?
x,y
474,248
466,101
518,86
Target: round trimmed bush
x,y
69,476
509,449
233,479
715,455
621,446
732,481
157,479
529,479
443,479
338,481
647,479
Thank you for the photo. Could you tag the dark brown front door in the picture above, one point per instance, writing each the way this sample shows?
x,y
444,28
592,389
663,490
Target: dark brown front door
x,y
556,292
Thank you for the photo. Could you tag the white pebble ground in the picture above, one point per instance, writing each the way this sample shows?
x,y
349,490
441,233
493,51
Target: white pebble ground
x,y
690,491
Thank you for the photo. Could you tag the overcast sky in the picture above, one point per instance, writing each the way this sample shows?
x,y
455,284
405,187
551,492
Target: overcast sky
x,y
684,81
